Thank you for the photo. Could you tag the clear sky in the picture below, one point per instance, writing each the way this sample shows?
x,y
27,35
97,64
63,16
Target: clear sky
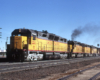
x,y
60,17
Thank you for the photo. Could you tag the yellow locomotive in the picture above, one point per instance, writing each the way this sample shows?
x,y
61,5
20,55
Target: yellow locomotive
x,y
83,50
29,45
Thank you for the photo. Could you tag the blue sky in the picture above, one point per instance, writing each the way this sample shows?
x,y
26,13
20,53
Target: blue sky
x,y
60,17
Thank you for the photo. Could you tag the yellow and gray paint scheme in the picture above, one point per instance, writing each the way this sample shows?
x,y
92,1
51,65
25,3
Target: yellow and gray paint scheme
x,y
83,50
30,45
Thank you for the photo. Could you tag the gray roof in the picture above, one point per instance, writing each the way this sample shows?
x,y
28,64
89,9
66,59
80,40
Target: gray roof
x,y
29,32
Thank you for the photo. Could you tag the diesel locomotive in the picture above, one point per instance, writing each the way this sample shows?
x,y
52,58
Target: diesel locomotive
x,y
30,45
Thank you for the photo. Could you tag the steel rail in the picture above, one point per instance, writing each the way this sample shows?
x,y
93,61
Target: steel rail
x,y
36,63
95,76
21,66
14,63
46,63
27,67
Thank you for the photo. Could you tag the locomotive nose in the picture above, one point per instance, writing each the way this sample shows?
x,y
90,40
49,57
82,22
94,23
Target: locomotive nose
x,y
18,42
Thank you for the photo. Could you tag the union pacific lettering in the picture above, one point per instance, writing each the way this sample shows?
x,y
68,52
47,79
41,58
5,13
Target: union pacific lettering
x,y
33,42
50,43
56,43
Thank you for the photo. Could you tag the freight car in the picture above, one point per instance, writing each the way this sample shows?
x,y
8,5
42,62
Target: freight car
x,y
30,45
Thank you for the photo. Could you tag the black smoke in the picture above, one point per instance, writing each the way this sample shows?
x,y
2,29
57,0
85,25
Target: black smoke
x,y
76,33
89,29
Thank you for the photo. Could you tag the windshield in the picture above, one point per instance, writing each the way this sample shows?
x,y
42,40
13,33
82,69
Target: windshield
x,y
19,34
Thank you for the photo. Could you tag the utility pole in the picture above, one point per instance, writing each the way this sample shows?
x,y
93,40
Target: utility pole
x,y
0,33
0,36
7,39
6,44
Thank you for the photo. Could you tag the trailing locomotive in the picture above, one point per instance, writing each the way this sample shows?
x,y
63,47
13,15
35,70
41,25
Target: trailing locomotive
x,y
30,45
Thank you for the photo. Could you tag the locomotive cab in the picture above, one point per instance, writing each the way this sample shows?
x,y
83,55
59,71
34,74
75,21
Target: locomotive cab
x,y
20,41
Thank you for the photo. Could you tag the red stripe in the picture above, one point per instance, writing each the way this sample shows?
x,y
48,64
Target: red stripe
x,y
80,52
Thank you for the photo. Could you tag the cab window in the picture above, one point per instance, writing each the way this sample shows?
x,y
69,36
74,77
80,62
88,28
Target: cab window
x,y
19,34
34,37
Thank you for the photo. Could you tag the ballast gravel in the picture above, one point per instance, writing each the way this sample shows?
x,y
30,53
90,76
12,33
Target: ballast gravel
x,y
40,73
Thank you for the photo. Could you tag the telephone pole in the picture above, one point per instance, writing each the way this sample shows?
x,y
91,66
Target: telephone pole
x,y
0,33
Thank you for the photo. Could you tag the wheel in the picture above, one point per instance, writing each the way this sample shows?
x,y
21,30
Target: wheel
x,y
22,57
69,55
9,57
75,55
84,55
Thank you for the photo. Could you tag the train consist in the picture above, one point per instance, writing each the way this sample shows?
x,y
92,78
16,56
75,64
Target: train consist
x,y
30,45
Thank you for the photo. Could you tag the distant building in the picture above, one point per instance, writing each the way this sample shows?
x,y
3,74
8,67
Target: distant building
x,y
2,51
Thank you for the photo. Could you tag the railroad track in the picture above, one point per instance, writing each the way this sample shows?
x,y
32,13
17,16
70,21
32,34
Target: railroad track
x,y
94,77
10,67
44,61
76,73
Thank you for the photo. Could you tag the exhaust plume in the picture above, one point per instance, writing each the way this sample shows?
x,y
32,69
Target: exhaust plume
x,y
91,30
76,33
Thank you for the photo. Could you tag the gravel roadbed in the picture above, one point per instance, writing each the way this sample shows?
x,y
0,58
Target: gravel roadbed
x,y
40,73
